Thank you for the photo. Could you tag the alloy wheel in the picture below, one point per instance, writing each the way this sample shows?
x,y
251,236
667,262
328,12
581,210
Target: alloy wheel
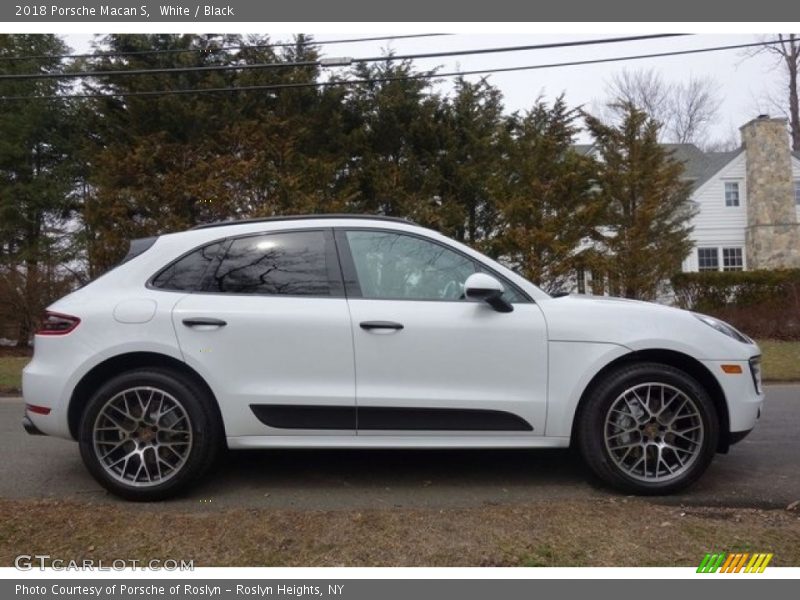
x,y
142,436
654,432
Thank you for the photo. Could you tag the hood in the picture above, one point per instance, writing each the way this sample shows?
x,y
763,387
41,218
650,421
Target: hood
x,y
636,325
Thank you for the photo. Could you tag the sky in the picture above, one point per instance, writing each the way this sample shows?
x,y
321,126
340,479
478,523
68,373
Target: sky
x,y
742,82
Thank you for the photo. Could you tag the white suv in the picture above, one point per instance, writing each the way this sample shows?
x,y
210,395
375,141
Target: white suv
x,y
367,332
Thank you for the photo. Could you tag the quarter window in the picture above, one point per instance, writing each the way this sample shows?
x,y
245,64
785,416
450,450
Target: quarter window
x,y
731,193
187,273
288,264
708,259
732,259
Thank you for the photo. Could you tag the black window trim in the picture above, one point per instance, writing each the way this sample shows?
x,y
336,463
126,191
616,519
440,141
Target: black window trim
x,y
331,262
350,277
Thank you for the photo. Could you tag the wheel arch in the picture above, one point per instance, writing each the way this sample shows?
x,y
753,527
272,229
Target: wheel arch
x,y
121,363
678,360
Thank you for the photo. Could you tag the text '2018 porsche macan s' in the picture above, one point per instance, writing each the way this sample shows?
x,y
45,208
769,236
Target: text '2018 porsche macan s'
x,y
368,332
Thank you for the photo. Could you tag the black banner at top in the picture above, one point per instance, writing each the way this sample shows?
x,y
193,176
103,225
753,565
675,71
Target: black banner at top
x,y
187,11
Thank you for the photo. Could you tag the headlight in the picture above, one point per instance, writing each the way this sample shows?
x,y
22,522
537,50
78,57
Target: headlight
x,y
755,371
723,327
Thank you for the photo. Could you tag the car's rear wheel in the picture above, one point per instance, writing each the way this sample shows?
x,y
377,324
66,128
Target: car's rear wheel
x,y
648,429
149,434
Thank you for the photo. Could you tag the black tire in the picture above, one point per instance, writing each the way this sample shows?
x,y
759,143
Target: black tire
x,y
206,432
590,428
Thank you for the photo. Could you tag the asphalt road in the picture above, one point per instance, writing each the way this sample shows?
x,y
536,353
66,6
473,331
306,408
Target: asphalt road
x,y
762,471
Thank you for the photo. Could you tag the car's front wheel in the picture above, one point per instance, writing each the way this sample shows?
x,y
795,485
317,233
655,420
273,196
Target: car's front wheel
x,y
648,429
149,434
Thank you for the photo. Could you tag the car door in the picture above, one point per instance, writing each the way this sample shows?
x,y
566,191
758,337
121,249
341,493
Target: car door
x,y
428,361
270,331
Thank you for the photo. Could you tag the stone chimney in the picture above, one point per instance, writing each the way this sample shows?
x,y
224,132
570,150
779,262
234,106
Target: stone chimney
x,y
773,234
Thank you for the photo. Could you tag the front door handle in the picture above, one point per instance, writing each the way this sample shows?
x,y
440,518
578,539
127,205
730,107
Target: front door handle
x,y
204,322
368,325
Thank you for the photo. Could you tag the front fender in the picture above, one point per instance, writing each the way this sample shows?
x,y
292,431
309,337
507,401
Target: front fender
x,y
566,384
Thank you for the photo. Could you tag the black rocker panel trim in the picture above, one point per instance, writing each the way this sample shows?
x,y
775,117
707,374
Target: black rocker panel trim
x,y
371,418
305,416
438,419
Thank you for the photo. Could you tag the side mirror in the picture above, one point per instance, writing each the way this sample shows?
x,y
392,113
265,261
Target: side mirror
x,y
484,287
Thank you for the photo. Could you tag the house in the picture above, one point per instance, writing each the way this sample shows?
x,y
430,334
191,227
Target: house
x,y
747,200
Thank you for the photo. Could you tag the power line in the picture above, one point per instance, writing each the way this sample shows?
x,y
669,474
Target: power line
x,y
213,48
337,62
415,76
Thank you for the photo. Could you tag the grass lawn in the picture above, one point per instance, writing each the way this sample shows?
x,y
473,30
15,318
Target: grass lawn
x,y
11,373
781,360
781,363
603,532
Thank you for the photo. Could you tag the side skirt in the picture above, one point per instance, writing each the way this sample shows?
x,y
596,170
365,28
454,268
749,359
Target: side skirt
x,y
428,442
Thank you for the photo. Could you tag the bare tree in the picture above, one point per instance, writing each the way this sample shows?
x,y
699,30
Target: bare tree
x,y
693,108
785,47
685,109
644,89
731,140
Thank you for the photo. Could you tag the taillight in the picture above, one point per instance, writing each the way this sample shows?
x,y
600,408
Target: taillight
x,y
57,324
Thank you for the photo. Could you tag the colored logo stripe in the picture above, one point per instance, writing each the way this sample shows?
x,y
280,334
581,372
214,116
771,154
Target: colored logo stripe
x,y
758,563
734,563
711,562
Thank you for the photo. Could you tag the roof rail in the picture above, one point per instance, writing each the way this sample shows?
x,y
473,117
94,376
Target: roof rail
x,y
304,217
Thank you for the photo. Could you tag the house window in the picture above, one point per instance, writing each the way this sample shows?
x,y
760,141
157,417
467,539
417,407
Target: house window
x,y
598,283
581,275
732,259
797,192
707,259
731,193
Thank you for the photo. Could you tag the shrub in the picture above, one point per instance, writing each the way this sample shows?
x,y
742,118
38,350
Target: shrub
x,y
760,303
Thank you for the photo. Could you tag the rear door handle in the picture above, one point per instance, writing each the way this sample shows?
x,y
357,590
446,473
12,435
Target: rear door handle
x,y
368,325
204,321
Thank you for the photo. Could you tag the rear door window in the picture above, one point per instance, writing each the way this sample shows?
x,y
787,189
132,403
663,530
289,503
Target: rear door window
x,y
287,264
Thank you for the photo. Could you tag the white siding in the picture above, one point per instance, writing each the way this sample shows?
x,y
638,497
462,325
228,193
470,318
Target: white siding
x,y
715,224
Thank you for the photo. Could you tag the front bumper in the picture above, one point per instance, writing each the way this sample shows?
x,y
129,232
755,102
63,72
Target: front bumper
x,y
737,436
743,397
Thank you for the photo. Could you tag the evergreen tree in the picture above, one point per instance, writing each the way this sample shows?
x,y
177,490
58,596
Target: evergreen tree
x,y
549,209
469,157
37,176
394,123
167,162
647,209
152,156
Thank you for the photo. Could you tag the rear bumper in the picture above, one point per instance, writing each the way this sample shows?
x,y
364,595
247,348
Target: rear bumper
x,y
29,427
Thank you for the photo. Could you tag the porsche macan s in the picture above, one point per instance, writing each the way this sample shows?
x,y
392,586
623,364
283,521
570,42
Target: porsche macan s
x,y
368,332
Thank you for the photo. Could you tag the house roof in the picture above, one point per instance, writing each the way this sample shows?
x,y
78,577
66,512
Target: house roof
x,y
701,166
583,149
